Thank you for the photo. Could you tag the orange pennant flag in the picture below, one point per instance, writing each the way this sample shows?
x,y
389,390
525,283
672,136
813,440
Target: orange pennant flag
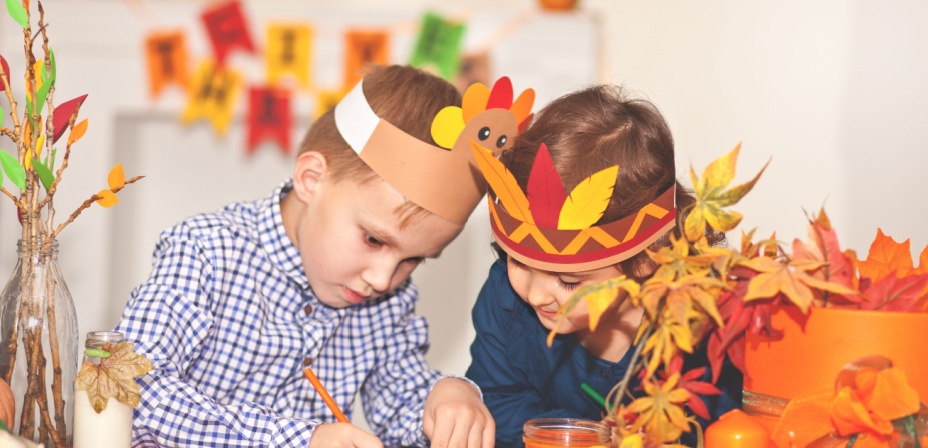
x,y
167,60
213,95
288,52
364,48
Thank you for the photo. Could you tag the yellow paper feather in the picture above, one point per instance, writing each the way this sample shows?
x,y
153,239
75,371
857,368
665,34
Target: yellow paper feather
x,y
475,100
522,106
503,183
117,178
77,132
588,200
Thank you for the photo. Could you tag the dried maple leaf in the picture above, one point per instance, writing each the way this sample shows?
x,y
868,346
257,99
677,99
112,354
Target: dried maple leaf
x,y
712,196
598,298
790,279
678,260
886,257
114,376
661,412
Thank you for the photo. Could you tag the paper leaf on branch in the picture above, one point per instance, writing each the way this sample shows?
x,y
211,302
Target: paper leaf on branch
x,y
77,132
63,115
45,175
117,177
107,198
17,12
114,376
13,170
711,196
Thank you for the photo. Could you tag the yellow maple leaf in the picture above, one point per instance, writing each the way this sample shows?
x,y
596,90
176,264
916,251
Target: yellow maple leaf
x,y
113,377
712,196
661,413
598,298
668,338
791,279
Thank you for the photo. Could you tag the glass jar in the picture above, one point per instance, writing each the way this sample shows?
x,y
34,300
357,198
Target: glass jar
x,y
38,345
112,427
565,432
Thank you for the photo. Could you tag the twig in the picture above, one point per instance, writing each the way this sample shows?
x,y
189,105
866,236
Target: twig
x,y
84,206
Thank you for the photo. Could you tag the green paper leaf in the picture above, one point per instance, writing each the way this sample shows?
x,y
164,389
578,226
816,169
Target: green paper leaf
x,y
17,12
13,170
51,164
45,175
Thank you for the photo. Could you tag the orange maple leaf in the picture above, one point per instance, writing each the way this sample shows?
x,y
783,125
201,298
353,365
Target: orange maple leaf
x,y
886,257
792,279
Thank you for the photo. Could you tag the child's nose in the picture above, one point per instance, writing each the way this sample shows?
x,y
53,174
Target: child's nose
x,y
538,295
379,274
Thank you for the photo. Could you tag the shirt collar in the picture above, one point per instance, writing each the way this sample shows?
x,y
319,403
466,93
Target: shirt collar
x,y
275,241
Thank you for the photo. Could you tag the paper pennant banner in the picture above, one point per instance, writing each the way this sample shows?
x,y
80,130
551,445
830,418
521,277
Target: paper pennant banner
x,y
438,46
6,70
227,29
326,100
212,95
288,52
363,48
167,60
474,68
269,117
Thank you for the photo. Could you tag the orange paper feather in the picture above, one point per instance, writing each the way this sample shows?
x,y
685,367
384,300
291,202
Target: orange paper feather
x,y
503,183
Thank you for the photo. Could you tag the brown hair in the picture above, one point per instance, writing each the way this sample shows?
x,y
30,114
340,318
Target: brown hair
x,y
407,98
598,127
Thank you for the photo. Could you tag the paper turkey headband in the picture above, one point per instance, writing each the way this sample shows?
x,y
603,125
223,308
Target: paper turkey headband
x,y
443,180
548,229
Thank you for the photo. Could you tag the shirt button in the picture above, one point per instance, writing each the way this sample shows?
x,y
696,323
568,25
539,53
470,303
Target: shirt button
x,y
308,309
307,361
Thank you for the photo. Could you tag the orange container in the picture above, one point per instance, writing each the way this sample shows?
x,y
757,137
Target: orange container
x,y
565,432
815,348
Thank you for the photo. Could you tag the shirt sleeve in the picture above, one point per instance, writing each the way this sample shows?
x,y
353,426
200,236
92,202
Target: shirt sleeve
x,y
394,394
507,393
168,318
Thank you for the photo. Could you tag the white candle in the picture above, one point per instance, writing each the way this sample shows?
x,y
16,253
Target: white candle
x,y
111,428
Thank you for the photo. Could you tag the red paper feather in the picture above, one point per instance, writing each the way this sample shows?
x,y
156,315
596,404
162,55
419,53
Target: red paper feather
x,y
546,194
501,95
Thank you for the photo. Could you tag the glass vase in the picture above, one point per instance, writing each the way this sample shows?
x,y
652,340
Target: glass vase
x,y
39,346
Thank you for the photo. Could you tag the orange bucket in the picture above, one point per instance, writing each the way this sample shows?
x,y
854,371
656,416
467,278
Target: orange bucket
x,y
815,348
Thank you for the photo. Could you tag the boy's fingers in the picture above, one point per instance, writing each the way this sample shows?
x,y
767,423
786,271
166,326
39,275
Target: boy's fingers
x,y
441,434
489,434
475,437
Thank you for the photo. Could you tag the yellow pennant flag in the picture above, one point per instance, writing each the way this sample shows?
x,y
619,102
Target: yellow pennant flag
x,y
288,52
213,93
327,100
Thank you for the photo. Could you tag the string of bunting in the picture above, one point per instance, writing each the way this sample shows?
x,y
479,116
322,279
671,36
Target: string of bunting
x,y
214,86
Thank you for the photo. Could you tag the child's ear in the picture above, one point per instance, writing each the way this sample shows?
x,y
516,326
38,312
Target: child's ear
x,y
311,167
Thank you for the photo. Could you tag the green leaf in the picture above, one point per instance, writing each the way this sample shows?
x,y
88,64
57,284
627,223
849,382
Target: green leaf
x,y
13,170
45,175
17,12
51,164
48,80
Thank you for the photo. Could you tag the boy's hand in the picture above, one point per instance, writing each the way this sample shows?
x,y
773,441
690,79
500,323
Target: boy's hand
x,y
455,416
342,435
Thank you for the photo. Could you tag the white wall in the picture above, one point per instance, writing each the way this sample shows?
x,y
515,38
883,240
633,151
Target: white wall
x,y
831,91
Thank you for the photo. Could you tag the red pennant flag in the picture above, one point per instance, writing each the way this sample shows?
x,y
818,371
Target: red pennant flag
x,y
269,118
227,29
167,60
63,115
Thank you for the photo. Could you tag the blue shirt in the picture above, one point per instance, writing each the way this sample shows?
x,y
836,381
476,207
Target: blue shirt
x,y
522,378
229,321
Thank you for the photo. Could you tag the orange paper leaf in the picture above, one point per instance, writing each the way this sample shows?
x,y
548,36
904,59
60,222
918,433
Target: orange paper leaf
x,y
117,178
107,198
77,132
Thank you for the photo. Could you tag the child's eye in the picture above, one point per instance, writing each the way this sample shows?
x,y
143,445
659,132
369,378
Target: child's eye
x,y
570,286
372,240
514,262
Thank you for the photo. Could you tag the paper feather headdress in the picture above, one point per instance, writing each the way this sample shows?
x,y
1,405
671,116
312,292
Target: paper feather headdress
x,y
442,179
549,229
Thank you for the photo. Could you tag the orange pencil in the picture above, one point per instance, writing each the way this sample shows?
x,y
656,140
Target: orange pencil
x,y
325,395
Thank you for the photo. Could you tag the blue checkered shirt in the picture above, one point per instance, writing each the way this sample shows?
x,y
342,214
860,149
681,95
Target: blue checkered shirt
x,y
229,321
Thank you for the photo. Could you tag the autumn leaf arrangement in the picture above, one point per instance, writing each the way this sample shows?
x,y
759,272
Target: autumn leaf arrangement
x,y
110,372
702,294
31,171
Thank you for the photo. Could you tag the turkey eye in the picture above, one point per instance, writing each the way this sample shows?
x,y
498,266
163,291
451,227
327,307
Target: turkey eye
x,y
501,141
484,133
